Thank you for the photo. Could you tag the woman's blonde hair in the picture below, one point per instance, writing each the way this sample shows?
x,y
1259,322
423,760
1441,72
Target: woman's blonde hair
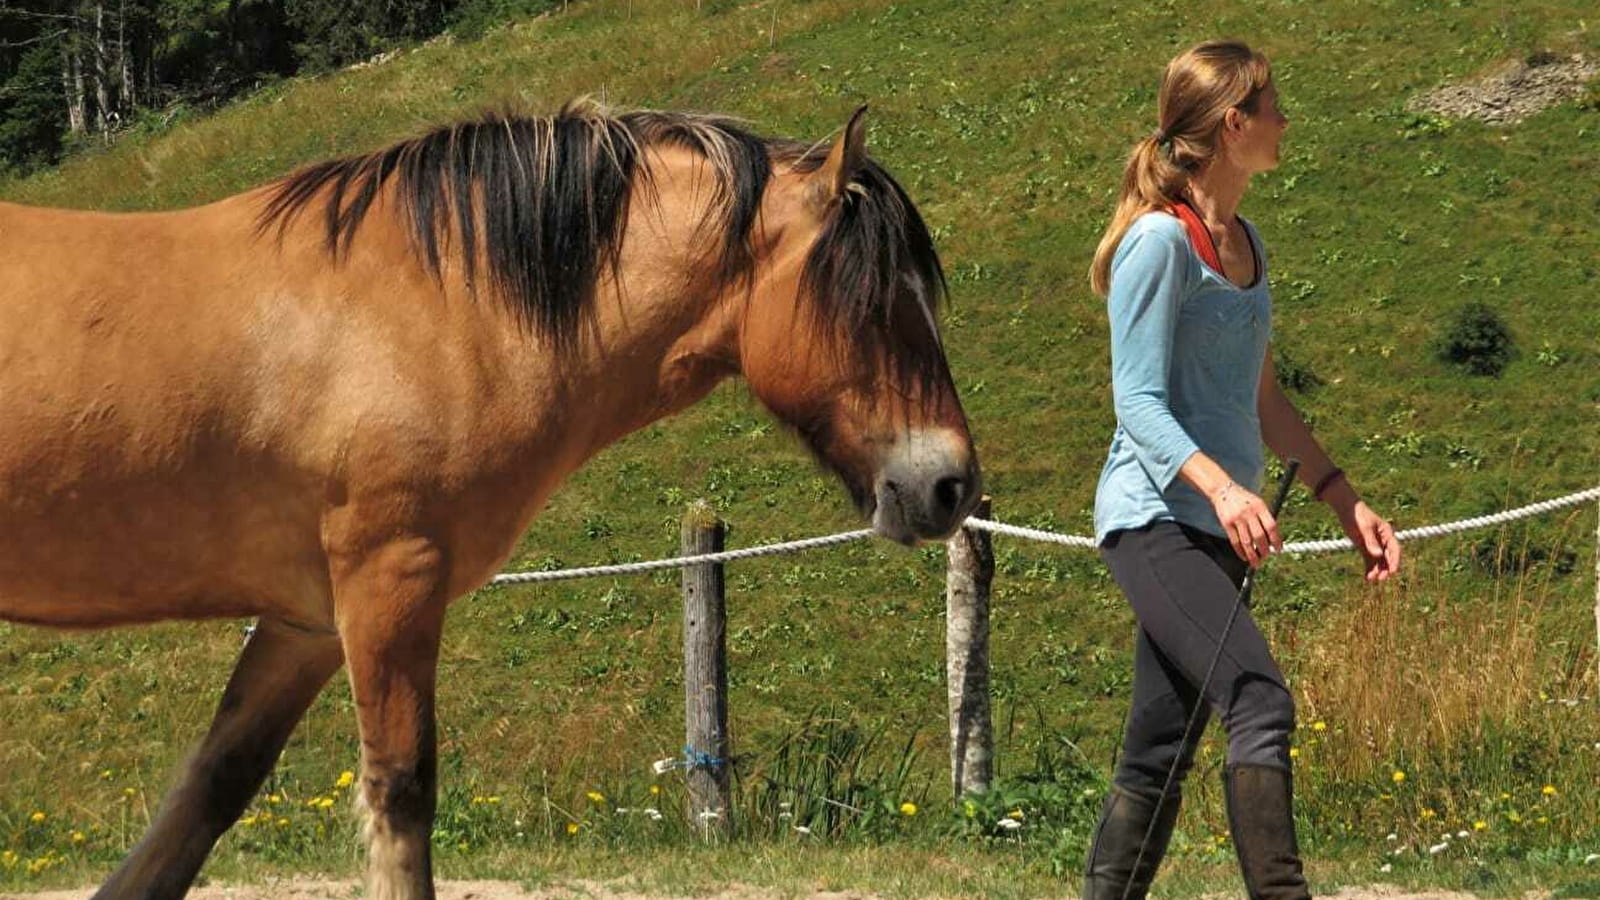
x,y
1197,90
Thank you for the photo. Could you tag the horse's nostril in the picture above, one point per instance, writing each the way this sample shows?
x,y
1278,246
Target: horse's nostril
x,y
948,492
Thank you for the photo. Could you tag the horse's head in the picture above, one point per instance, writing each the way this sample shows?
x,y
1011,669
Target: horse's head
x,y
838,336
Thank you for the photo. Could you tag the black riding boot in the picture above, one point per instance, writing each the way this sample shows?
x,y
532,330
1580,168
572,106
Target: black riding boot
x,y
1124,820
1260,803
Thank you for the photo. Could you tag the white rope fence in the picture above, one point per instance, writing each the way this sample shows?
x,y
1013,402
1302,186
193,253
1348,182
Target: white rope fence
x,y
1033,534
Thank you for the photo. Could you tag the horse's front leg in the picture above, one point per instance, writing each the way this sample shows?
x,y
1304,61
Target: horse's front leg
x,y
281,670
390,606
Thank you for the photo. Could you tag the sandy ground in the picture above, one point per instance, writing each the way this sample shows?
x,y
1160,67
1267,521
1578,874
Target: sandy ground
x,y
588,890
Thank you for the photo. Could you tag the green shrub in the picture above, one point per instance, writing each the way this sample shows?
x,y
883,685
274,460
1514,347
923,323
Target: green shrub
x,y
1476,339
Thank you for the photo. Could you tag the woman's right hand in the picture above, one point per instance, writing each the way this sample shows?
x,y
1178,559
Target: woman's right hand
x,y
1249,523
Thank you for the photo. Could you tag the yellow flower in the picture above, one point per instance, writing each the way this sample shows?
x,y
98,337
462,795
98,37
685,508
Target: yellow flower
x,y
597,797
274,798
283,823
655,788
312,803
491,800
128,792
1398,776
346,778
325,803
77,837
1479,825
105,774
908,808
572,828
1542,820
1513,817
1504,796
1319,726
37,818
1548,790
970,808
1015,814
1428,813
1294,752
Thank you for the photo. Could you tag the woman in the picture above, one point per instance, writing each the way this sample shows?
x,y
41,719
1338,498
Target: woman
x,y
1176,512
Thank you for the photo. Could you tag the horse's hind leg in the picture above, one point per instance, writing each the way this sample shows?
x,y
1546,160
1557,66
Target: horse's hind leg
x,y
390,607
281,670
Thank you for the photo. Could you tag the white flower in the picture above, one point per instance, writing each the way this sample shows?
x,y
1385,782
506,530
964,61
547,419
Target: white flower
x,y
1391,836
1591,859
785,815
1009,824
663,766
1437,849
709,814
802,829
653,813
1463,833
784,804
1386,867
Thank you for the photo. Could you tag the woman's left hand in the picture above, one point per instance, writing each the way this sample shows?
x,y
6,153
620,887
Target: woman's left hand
x,y
1374,538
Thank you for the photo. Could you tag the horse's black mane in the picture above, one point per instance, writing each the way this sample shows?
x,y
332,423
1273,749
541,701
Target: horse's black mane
x,y
545,201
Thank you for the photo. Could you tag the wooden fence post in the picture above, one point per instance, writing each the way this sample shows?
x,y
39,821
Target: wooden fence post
x,y
705,675
970,571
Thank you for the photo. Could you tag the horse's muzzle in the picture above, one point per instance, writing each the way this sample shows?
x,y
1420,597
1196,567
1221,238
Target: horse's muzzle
x,y
927,486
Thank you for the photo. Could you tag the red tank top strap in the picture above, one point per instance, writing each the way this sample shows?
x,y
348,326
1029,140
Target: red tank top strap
x,y
1199,235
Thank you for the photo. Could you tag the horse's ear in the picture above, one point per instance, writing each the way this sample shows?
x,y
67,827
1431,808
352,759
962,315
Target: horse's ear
x,y
849,153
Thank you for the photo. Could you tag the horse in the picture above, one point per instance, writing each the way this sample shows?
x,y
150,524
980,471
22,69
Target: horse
x,y
334,402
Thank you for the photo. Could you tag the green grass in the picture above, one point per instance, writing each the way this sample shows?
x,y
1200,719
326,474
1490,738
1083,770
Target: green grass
x,y
1008,123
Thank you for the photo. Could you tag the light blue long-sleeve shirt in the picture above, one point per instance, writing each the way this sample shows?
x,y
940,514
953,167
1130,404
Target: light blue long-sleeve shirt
x,y
1187,347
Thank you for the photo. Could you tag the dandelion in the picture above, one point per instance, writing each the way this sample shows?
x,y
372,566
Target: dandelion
x,y
572,828
1480,825
346,778
655,790
77,837
908,809
1428,813
274,798
1548,790
105,774
1294,752
128,792
37,818
282,823
1015,814
1319,726
596,796
1504,796
1398,776
1542,820
325,803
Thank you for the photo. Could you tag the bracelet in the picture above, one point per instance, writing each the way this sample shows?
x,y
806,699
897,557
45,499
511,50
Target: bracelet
x,y
1325,482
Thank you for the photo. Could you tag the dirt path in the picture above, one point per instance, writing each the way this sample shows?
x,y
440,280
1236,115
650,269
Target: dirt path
x,y
589,890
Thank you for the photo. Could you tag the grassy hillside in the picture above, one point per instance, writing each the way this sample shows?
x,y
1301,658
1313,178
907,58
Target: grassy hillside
x,y
1008,122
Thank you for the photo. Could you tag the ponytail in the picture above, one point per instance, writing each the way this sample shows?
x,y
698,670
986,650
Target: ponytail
x,y
1197,90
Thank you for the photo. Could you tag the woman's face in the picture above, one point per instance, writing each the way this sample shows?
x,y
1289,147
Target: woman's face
x,y
1254,137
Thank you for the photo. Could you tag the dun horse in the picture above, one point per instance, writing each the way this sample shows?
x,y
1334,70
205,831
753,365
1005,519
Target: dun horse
x,y
334,403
